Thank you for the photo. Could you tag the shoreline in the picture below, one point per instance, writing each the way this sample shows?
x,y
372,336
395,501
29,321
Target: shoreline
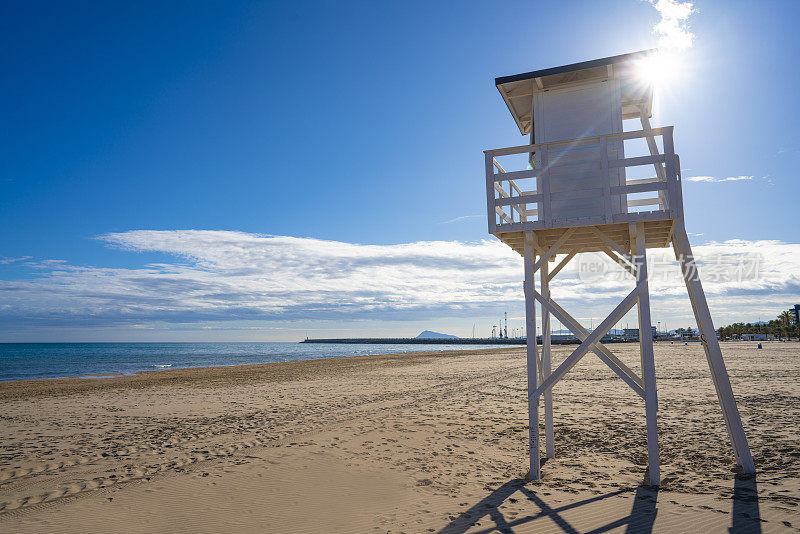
x,y
24,387
32,361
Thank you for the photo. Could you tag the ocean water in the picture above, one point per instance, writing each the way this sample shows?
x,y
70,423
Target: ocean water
x,y
20,361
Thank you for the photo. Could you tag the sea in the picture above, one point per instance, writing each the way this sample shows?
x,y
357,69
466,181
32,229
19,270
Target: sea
x,y
20,361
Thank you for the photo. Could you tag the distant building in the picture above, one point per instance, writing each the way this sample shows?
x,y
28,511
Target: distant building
x,y
632,334
758,337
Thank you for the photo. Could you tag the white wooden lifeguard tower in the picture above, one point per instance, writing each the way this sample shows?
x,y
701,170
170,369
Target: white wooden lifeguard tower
x,y
569,194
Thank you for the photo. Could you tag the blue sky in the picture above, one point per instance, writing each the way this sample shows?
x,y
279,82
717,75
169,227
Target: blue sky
x,y
343,124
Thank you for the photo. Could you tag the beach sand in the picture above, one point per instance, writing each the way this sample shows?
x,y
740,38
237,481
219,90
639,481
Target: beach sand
x,y
429,442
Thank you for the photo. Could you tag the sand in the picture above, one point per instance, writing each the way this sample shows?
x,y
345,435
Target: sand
x,y
429,442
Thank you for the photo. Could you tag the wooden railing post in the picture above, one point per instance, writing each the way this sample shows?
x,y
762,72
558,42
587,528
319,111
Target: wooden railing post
x,y
512,207
490,207
545,207
678,201
609,216
671,175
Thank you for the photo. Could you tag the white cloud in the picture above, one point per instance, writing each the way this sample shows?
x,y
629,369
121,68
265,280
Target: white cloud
x,y
221,276
714,179
234,275
672,30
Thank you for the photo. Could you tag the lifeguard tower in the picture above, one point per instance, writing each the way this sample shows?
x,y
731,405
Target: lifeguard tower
x,y
570,191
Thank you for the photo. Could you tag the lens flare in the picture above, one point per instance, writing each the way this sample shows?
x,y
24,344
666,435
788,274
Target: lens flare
x,y
659,70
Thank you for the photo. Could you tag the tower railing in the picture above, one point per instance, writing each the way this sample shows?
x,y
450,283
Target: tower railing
x,y
521,200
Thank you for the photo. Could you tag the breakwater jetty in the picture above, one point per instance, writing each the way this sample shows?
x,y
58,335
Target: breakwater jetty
x,y
420,341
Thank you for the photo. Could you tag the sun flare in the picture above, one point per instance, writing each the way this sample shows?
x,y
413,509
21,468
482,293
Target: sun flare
x,y
658,70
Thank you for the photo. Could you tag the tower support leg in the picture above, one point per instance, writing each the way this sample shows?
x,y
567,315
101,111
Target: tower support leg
x,y
549,439
646,347
708,337
725,415
532,358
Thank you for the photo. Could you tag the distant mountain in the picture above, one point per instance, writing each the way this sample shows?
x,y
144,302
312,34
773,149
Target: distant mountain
x,y
427,334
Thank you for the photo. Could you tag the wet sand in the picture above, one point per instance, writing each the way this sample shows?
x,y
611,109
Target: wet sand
x,y
426,442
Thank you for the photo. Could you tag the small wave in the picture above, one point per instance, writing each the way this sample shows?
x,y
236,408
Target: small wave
x,y
163,366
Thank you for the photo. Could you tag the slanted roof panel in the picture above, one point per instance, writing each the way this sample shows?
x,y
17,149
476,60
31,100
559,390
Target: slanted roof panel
x,y
574,66
517,90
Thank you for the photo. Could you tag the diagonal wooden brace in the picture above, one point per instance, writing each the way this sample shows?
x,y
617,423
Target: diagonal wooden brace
x,y
561,265
570,361
554,249
625,265
613,245
608,357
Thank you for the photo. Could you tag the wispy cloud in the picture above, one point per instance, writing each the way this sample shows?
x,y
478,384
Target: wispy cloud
x,y
462,218
7,261
672,30
714,179
221,276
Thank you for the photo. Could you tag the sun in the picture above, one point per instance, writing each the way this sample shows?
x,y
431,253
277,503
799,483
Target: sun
x,y
660,69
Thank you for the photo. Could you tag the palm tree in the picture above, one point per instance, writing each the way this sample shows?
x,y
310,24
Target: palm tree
x,y
786,321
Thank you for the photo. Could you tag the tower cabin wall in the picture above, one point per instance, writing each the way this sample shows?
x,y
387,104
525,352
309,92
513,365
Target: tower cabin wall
x,y
571,111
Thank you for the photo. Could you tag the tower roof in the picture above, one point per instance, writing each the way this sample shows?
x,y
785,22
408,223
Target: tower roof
x,y
517,90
